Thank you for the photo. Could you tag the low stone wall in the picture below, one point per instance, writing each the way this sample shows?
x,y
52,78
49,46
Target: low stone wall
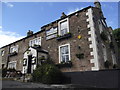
x,y
98,79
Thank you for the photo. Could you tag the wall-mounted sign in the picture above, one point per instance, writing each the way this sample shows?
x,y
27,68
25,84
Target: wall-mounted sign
x,y
79,36
51,33
51,36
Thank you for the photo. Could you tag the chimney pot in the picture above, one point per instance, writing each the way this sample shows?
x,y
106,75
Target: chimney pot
x,y
29,33
63,15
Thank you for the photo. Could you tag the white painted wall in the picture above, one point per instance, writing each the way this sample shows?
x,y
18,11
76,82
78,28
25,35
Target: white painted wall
x,y
93,40
33,52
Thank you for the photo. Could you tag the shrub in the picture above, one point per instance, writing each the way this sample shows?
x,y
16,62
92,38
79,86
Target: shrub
x,y
80,56
111,45
115,66
48,74
103,36
4,72
107,64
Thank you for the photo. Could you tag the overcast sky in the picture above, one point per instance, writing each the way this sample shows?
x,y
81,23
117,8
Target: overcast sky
x,y
19,17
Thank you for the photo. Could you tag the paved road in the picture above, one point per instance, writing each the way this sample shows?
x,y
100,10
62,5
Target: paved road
x,y
17,84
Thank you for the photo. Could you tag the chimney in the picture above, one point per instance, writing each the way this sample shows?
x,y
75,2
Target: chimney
x,y
29,33
97,4
63,15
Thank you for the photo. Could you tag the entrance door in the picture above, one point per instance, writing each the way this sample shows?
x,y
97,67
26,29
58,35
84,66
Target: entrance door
x,y
29,63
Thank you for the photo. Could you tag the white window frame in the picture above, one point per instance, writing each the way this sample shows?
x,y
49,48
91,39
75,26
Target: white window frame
x,y
34,40
2,53
60,52
12,62
59,25
15,49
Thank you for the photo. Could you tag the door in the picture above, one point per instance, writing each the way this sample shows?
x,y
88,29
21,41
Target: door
x,y
29,63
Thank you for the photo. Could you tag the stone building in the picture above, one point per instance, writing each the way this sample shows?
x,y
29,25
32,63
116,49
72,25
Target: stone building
x,y
81,41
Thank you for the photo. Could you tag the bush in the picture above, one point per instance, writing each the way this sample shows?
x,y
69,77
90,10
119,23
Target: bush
x,y
115,66
80,56
103,36
107,64
4,72
48,74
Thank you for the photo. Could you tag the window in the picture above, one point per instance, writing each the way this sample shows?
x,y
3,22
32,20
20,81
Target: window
x,y
12,64
63,27
2,53
64,53
36,41
14,49
24,62
104,23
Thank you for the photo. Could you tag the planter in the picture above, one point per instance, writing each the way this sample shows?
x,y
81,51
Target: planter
x,y
64,64
13,54
64,36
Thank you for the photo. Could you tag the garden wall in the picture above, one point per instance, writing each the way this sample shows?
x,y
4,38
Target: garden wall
x,y
98,79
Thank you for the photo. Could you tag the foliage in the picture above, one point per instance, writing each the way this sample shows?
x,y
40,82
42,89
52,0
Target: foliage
x,y
111,45
107,64
115,66
64,64
4,72
103,36
80,55
116,34
48,74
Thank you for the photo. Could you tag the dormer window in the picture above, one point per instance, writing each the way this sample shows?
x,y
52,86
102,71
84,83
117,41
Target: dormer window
x,y
36,41
63,27
14,49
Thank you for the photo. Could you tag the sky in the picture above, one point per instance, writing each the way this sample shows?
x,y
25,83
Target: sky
x,y
19,17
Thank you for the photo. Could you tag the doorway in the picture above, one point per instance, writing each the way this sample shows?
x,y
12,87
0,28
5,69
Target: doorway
x,y
29,63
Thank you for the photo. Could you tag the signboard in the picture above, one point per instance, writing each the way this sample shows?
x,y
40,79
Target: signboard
x,y
51,33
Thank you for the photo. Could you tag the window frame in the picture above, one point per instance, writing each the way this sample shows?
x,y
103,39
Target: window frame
x,y
15,62
59,26
2,52
60,57
35,41
14,49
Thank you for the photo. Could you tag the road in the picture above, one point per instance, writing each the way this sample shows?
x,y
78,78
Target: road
x,y
17,84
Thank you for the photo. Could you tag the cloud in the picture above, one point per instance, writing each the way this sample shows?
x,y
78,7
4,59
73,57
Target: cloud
x,y
7,37
9,4
74,10
0,27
